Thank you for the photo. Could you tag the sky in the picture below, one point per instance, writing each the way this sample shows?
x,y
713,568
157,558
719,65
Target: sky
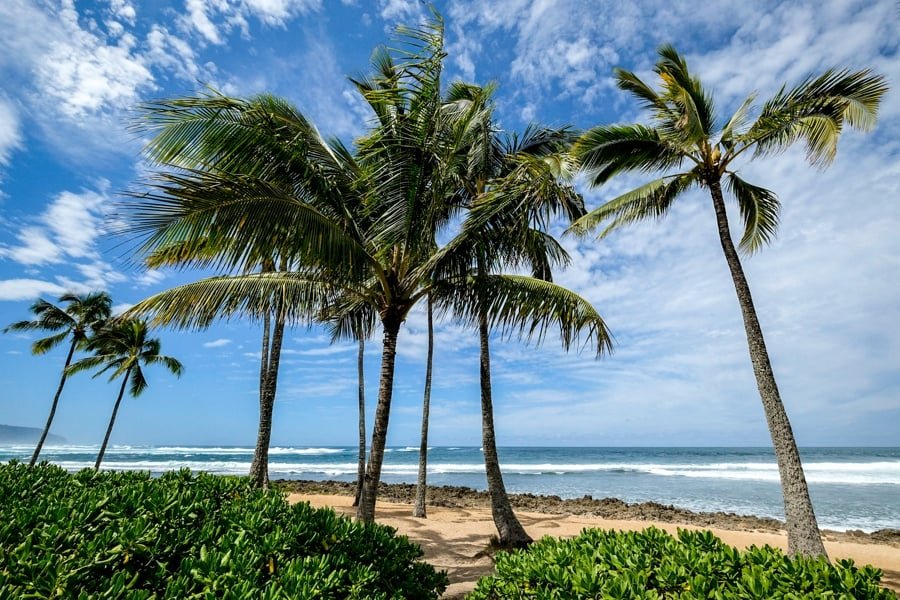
x,y
827,289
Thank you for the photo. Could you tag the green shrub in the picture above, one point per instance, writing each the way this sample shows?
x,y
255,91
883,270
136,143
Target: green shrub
x,y
653,564
127,535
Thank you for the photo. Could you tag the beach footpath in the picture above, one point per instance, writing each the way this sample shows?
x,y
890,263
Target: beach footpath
x,y
456,537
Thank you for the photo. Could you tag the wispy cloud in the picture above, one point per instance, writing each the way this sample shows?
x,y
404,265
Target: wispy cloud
x,y
219,343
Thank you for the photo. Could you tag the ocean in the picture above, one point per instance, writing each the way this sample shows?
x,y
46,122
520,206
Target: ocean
x,y
851,488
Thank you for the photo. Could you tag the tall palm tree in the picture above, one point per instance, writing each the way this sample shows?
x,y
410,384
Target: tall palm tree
x,y
422,479
361,420
124,348
83,315
512,185
685,131
205,253
357,228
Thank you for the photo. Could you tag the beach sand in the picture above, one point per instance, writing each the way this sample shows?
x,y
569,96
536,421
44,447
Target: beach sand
x,y
457,538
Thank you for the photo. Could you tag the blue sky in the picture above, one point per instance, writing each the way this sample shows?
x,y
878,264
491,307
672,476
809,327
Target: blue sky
x,y
827,289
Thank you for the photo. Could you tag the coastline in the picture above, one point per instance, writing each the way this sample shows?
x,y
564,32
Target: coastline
x,y
600,508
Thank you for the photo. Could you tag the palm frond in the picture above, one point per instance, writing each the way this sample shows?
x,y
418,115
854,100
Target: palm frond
x,y
137,382
695,118
611,149
44,345
196,305
651,200
527,307
629,82
815,111
738,121
759,211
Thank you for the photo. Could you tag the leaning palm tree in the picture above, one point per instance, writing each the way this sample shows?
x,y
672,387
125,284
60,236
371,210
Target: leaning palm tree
x,y
124,348
83,315
685,131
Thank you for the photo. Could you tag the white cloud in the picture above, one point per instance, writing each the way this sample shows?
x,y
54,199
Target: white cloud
x,y
217,343
150,277
28,289
67,232
123,9
10,131
276,12
214,19
199,20
168,51
68,228
406,11
83,74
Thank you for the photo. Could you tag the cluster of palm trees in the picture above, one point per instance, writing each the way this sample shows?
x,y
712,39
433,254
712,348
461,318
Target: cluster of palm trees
x,y
120,346
436,204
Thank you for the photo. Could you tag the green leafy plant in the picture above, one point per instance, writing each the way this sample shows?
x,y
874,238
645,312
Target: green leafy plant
x,y
183,535
652,564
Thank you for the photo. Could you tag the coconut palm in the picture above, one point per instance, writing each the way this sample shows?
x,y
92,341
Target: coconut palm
x,y
357,228
513,185
123,348
422,479
83,315
685,132
203,254
361,401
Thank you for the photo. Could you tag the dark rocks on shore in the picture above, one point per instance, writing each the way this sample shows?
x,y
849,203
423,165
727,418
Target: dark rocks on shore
x,y
605,508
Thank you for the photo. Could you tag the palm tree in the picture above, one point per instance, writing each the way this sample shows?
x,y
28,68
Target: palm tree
x,y
123,348
83,315
206,253
513,185
685,131
361,401
421,482
357,228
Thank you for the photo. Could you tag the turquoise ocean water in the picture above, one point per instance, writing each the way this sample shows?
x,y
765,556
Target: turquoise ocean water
x,y
852,488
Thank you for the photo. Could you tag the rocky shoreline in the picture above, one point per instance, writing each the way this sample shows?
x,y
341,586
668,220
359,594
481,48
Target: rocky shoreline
x,y
604,508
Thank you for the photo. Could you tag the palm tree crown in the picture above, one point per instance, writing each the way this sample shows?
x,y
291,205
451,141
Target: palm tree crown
x,y
124,348
685,131
83,314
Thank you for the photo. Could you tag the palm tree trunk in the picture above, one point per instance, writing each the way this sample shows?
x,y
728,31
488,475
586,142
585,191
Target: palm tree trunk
x,y
511,532
62,382
361,462
112,420
259,471
366,510
804,537
419,507
260,451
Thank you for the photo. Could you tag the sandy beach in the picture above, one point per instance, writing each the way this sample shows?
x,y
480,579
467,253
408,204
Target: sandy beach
x,y
457,538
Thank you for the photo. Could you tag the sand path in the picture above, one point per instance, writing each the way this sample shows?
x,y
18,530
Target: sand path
x,y
456,539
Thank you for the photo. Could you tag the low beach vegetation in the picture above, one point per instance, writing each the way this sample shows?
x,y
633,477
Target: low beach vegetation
x,y
128,535
652,564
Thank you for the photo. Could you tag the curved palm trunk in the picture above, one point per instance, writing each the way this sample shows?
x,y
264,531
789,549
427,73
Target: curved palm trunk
x,y
419,507
361,463
259,469
62,382
260,453
804,537
511,533
112,420
366,509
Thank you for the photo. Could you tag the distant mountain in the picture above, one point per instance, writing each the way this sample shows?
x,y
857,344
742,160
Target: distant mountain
x,y
10,434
